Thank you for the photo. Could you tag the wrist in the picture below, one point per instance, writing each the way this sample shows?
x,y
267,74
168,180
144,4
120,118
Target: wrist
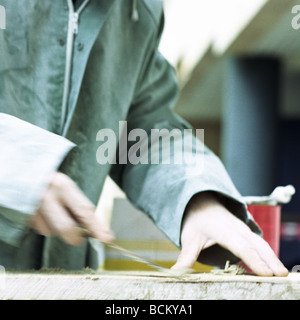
x,y
204,200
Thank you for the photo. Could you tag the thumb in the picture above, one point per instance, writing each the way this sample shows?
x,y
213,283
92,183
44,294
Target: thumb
x,y
188,255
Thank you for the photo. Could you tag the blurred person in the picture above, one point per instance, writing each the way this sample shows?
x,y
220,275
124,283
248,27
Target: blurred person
x,y
68,69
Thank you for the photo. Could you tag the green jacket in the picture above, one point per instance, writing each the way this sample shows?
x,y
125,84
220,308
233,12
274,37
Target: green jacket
x,y
58,87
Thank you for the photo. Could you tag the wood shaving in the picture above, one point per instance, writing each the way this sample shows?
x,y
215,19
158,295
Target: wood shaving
x,y
229,269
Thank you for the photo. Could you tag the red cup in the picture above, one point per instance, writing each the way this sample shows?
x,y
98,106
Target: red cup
x,y
268,219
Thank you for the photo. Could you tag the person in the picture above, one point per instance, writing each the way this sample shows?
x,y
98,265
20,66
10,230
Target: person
x,y
68,69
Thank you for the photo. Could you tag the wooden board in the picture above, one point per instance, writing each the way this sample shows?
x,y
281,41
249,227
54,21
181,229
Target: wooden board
x,y
146,285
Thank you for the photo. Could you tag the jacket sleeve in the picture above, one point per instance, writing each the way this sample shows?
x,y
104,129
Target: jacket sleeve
x,y
29,156
162,191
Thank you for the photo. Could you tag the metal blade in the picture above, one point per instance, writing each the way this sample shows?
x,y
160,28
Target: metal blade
x,y
172,273
95,244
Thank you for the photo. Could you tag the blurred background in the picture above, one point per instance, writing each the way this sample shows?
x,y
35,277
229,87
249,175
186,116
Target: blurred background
x,y
238,67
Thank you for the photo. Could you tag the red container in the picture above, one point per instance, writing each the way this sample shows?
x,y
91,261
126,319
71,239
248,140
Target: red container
x,y
268,219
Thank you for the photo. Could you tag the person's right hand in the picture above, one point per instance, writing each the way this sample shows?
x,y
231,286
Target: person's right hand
x,y
65,210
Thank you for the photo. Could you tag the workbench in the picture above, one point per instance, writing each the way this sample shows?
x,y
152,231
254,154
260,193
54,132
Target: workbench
x,y
130,285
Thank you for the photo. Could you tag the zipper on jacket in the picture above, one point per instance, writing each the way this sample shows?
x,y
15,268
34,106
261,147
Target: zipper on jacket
x,y
72,32
75,18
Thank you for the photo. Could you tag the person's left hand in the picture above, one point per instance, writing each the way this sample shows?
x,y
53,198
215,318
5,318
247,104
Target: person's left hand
x,y
207,222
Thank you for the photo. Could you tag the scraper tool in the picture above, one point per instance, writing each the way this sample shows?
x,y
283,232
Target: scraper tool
x,y
172,273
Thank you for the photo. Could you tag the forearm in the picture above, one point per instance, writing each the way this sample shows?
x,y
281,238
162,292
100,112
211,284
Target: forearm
x,y
29,157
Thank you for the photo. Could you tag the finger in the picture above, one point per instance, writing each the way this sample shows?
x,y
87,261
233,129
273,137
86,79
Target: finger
x,y
84,212
246,250
61,223
268,255
189,254
244,246
255,262
39,224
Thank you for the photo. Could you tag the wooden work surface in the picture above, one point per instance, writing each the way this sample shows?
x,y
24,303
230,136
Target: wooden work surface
x,y
146,286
